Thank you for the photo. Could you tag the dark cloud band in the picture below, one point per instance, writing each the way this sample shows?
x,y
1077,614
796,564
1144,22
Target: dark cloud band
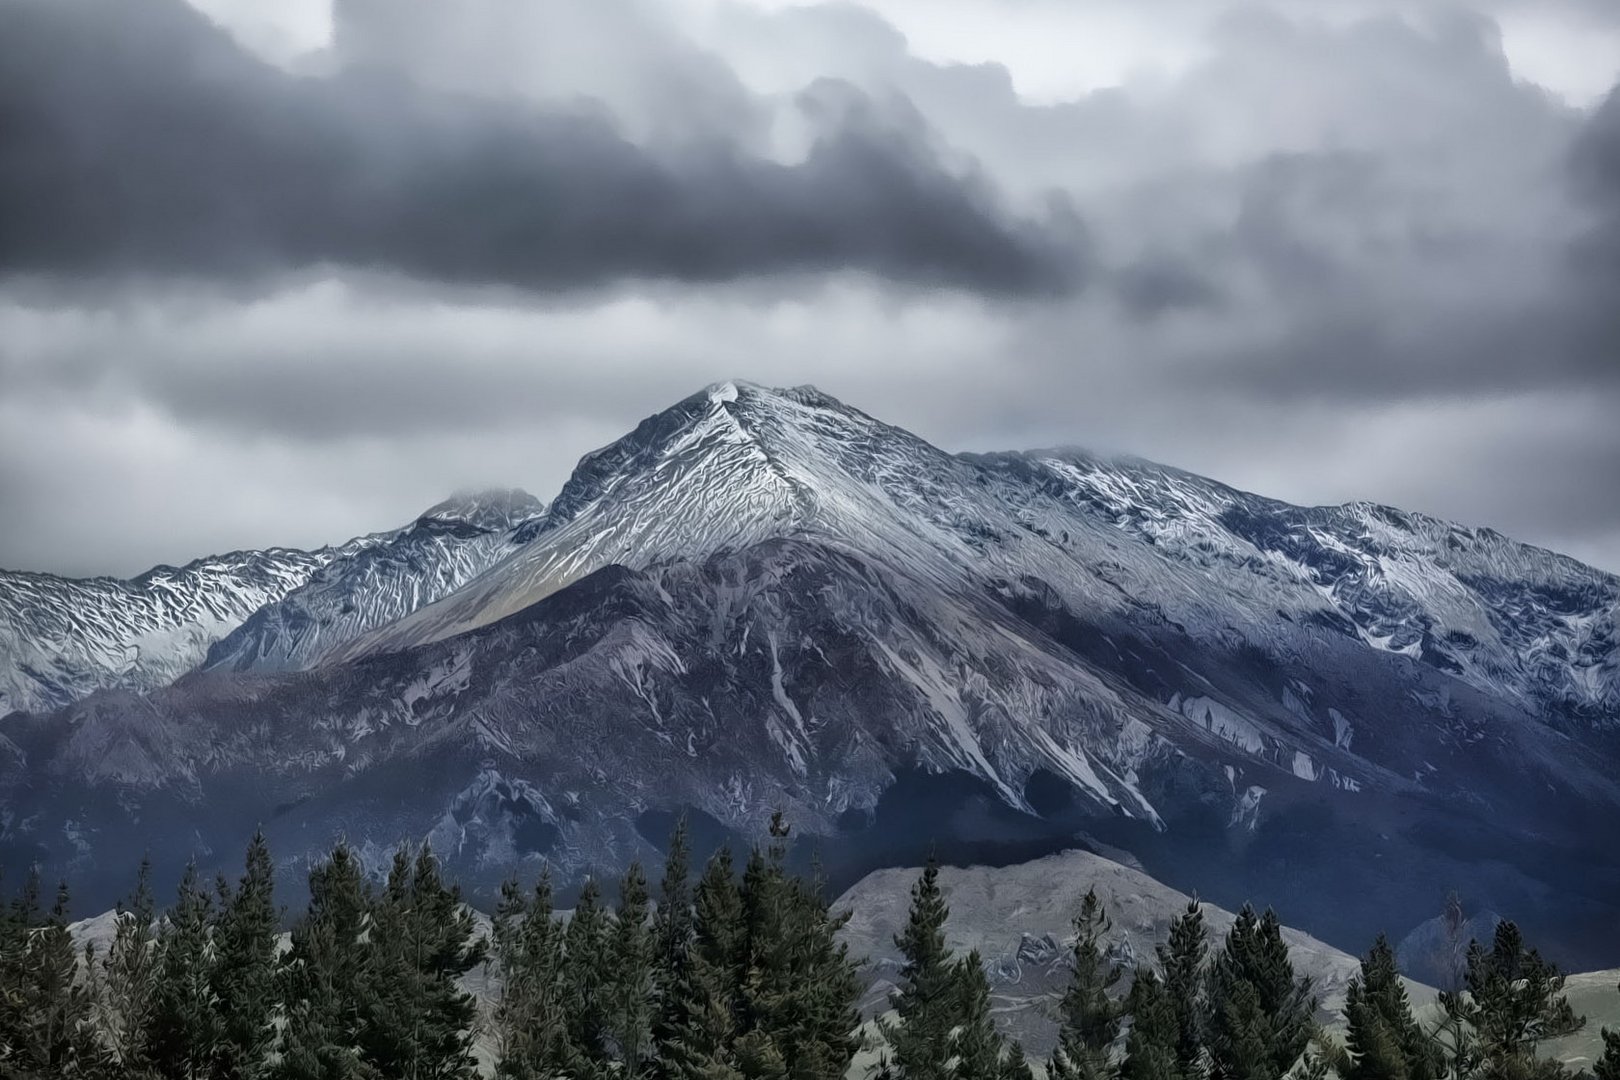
x,y
140,140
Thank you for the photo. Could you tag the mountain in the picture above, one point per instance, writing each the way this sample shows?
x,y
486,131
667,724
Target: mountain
x,y
765,599
63,638
1020,918
735,465
378,583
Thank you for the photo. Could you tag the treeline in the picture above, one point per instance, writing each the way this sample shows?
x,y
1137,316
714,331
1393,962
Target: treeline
x,y
731,975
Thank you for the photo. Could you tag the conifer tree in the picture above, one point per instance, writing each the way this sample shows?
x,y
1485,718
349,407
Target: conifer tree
x,y
672,921
326,975
184,1032
630,956
1089,1019
1181,967
1514,1000
1016,1065
18,918
1313,1066
762,950
49,1030
819,1028
766,984
758,1057
128,984
1384,1040
418,1022
243,973
718,931
678,998
586,969
698,1044
1153,1047
926,1001
977,1045
531,1024
1260,1015
1607,1066
798,985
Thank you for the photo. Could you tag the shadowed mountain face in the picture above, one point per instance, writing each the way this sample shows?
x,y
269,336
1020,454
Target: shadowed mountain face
x,y
764,599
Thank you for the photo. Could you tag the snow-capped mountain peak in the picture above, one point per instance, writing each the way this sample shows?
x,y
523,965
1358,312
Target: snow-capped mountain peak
x,y
729,466
491,509
737,463
763,598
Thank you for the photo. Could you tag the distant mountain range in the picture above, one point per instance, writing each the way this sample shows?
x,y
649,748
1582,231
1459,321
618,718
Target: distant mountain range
x,y
764,598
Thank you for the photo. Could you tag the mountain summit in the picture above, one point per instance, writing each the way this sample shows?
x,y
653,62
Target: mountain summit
x,y
765,599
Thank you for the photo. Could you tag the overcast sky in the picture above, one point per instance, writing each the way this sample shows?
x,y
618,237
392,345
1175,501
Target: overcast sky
x,y
285,273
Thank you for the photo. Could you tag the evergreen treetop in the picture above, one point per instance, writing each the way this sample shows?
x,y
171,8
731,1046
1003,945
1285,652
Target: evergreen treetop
x,y
1088,1017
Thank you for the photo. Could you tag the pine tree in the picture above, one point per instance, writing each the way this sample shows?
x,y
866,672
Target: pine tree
x,y
819,1027
797,985
586,970
757,1057
531,1025
184,1032
1384,1040
49,1028
678,998
243,974
418,1022
977,1045
1514,1001
1607,1066
325,976
1261,1015
1313,1066
630,953
1016,1065
698,1044
926,1000
719,935
18,918
128,984
763,953
1153,1047
1089,1019
766,987
1181,966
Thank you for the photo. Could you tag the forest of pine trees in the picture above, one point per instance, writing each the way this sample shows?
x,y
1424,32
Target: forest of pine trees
x,y
717,974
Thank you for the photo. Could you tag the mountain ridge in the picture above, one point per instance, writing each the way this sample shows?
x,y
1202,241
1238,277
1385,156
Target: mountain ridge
x,y
62,638
765,599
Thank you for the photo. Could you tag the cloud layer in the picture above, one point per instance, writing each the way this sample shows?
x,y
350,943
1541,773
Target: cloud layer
x,y
142,140
288,297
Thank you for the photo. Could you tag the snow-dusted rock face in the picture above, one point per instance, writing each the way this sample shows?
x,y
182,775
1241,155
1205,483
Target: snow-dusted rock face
x,y
1508,618
61,638
737,464
764,599
378,583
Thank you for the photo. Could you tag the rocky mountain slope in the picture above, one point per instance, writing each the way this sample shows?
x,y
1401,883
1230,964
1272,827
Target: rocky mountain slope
x,y
63,638
1020,919
764,598
447,546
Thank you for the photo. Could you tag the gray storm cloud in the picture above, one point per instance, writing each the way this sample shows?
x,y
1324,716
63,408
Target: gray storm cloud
x,y
1350,252
141,140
